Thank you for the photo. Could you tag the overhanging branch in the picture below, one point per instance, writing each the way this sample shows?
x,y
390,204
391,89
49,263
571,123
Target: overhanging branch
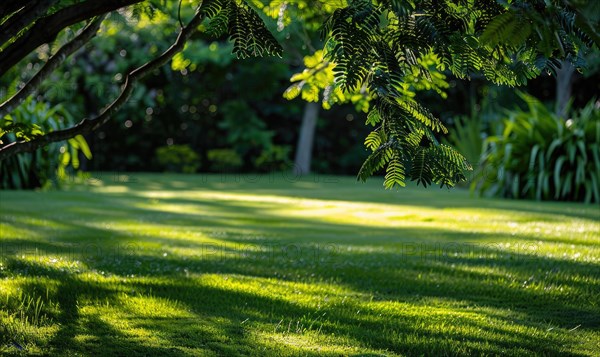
x,y
88,125
59,57
8,7
47,28
25,17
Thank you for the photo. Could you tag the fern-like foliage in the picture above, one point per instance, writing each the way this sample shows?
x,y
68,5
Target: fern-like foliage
x,y
394,174
243,25
376,161
378,46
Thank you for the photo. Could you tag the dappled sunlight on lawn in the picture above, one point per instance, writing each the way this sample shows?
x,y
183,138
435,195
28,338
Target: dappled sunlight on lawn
x,y
183,265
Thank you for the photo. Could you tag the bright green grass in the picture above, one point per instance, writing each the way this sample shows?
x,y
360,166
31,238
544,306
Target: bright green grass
x,y
205,265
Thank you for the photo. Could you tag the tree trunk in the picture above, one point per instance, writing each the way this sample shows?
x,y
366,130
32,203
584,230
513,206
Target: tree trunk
x,y
564,80
305,141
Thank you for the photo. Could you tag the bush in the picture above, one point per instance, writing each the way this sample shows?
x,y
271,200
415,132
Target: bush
x,y
274,157
467,137
178,158
224,160
538,155
47,166
245,129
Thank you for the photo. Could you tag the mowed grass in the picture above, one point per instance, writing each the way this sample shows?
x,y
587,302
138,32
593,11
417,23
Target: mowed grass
x,y
179,265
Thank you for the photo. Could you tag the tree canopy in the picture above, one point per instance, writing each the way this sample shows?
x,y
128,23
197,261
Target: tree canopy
x,y
383,50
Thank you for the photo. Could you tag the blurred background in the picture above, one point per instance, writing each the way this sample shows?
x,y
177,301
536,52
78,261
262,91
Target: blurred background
x,y
209,112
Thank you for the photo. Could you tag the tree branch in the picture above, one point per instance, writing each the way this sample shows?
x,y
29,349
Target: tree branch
x,y
59,57
8,7
88,125
47,28
25,17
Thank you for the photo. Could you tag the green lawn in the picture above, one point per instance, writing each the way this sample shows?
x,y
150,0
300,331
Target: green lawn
x,y
207,265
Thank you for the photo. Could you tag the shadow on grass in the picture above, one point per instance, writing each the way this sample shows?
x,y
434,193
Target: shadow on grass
x,y
386,266
391,278
215,324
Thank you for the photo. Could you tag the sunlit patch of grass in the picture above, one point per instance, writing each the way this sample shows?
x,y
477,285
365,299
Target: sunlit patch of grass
x,y
24,321
222,265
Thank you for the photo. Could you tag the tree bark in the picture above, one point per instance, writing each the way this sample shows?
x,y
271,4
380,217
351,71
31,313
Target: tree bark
x,y
564,81
305,141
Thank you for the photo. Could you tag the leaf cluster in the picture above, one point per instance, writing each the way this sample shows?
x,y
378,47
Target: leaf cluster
x,y
243,25
386,46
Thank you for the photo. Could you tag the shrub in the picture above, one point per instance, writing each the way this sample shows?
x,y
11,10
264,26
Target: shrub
x,y
274,157
178,158
538,155
224,160
467,137
245,129
47,166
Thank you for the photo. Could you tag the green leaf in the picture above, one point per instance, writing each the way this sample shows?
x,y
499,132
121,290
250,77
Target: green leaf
x,y
83,146
557,176
373,140
373,118
377,160
310,92
293,91
394,173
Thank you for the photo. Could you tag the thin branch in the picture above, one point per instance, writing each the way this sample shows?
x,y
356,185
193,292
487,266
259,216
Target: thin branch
x,y
179,13
47,28
88,125
14,9
59,57
24,18
8,7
